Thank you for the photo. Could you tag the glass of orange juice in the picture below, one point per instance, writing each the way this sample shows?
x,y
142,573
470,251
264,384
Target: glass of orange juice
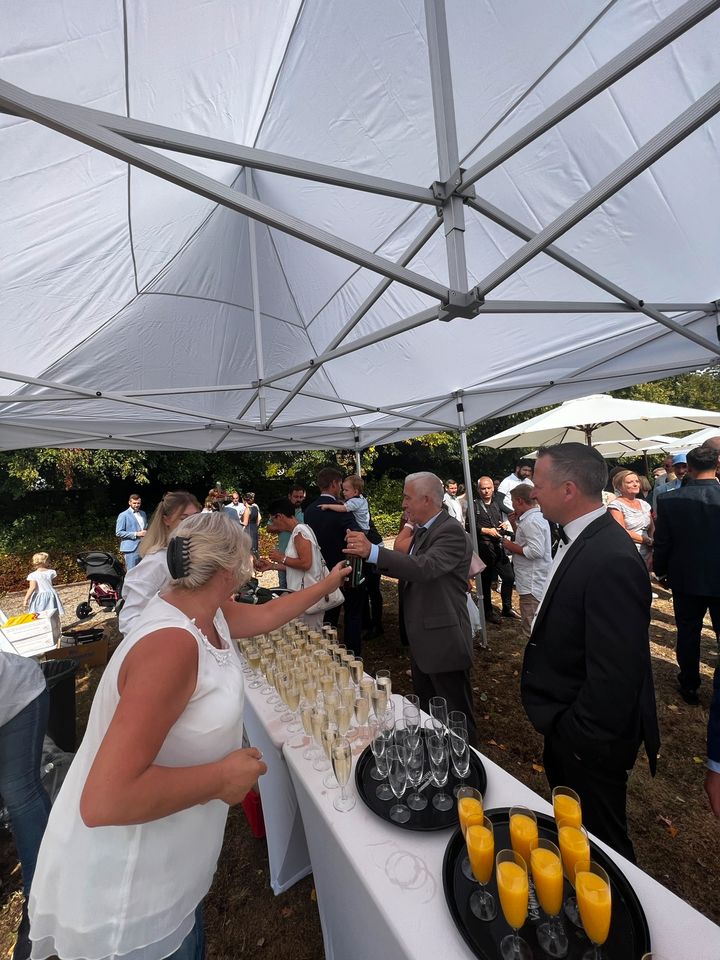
x,y
574,848
523,831
592,887
547,873
566,806
513,888
480,842
470,810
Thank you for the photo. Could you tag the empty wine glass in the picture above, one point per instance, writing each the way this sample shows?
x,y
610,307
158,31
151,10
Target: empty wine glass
x,y
397,778
342,764
378,745
411,713
438,753
415,768
437,708
459,751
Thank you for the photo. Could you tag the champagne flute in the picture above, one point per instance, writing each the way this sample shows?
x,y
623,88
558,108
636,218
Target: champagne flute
x,y
594,897
318,720
253,658
567,806
438,709
356,670
513,889
328,736
379,700
480,844
397,778
342,765
459,751
438,753
574,848
415,769
523,831
362,710
342,719
411,713
470,811
384,680
378,745
306,709
547,873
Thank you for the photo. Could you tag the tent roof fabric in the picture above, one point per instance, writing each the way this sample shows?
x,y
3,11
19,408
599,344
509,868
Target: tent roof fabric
x,y
354,307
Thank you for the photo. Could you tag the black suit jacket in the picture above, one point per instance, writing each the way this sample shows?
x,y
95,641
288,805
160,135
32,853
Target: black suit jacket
x,y
687,538
586,675
329,527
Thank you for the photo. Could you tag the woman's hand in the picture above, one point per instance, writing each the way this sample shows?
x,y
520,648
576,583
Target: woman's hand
x,y
240,772
276,556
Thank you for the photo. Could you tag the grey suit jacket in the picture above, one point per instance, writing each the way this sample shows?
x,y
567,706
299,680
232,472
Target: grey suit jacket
x,y
433,596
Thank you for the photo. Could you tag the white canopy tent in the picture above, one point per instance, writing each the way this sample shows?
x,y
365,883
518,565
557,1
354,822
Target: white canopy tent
x,y
291,223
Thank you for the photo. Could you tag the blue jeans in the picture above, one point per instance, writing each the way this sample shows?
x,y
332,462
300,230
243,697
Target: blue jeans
x,y
21,741
193,946
132,559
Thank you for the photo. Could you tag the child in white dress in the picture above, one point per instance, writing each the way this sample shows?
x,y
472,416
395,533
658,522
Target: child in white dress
x,y
41,595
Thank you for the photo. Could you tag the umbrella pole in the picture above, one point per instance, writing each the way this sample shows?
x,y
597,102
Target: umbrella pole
x,y
472,527
588,435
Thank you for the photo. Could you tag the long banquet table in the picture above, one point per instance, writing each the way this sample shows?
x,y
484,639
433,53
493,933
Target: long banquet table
x,y
379,888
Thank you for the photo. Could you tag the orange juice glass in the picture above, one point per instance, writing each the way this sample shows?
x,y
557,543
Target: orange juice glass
x,y
513,888
592,887
480,841
566,806
470,807
547,873
523,831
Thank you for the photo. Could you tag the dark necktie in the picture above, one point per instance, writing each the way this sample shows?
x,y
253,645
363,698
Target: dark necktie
x,y
420,533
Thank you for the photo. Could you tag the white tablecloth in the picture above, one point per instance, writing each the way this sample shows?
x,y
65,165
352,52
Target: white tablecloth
x,y
287,847
380,888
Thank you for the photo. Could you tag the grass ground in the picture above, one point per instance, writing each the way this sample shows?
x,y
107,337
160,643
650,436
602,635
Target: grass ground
x,y
676,839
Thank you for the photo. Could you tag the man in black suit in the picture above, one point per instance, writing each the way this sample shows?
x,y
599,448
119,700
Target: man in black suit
x,y
586,681
687,533
330,527
489,517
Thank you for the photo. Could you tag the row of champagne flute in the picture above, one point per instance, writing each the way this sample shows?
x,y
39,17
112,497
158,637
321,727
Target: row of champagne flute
x,y
547,865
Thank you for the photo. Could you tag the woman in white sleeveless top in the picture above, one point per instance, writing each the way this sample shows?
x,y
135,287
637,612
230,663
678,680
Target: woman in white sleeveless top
x,y
134,836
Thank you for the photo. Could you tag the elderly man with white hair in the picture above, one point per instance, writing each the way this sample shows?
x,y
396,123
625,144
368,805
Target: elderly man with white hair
x,y
433,585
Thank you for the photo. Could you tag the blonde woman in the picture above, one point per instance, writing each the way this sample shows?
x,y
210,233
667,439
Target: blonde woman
x,y
633,513
151,574
134,836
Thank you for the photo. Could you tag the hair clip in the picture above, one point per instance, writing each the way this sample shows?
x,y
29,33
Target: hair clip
x,y
178,557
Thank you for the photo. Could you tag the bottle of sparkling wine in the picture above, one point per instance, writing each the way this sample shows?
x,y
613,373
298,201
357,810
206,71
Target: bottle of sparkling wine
x,y
357,576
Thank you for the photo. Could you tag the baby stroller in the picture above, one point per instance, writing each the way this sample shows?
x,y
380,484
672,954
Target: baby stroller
x,y
106,574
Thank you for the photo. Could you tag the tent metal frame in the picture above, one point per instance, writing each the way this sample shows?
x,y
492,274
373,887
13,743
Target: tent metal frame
x,y
135,142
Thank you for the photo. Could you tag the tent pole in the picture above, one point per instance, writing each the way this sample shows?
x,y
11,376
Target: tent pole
x,y
472,526
257,320
446,135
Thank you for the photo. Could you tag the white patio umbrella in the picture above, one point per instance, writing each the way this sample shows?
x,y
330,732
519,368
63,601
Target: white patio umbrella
x,y
599,418
631,448
696,439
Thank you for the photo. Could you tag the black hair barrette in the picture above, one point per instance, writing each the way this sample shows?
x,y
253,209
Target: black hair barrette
x,y
178,557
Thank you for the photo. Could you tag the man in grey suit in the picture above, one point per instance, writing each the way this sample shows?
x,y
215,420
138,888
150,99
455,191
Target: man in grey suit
x,y
433,595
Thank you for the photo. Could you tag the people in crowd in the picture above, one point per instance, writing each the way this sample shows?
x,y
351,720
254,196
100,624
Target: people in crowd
x,y
686,553
355,503
522,473
211,505
633,513
147,578
531,553
463,501
679,471
24,704
451,501
130,529
41,595
491,526
330,526
296,496
236,508
586,681
134,835
645,489
300,560
433,595
251,521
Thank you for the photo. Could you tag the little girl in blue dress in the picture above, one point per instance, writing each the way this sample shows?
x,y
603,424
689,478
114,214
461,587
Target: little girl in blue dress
x,y
41,595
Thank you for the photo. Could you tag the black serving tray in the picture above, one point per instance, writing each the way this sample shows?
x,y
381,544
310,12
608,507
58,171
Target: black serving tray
x,y
629,936
429,818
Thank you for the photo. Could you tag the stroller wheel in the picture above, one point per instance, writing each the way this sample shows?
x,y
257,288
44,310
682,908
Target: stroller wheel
x,y
83,611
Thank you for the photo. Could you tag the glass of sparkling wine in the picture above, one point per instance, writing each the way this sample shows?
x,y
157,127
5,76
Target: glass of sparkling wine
x,y
379,700
547,873
253,658
480,844
362,710
306,709
342,765
356,670
513,890
328,736
592,888
318,720
384,680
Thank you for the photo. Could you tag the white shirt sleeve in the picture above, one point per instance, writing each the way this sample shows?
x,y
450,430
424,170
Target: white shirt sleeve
x,y
140,585
534,547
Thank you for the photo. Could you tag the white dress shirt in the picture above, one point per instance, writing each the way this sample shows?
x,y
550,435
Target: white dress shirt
x,y
508,485
533,564
454,507
573,529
